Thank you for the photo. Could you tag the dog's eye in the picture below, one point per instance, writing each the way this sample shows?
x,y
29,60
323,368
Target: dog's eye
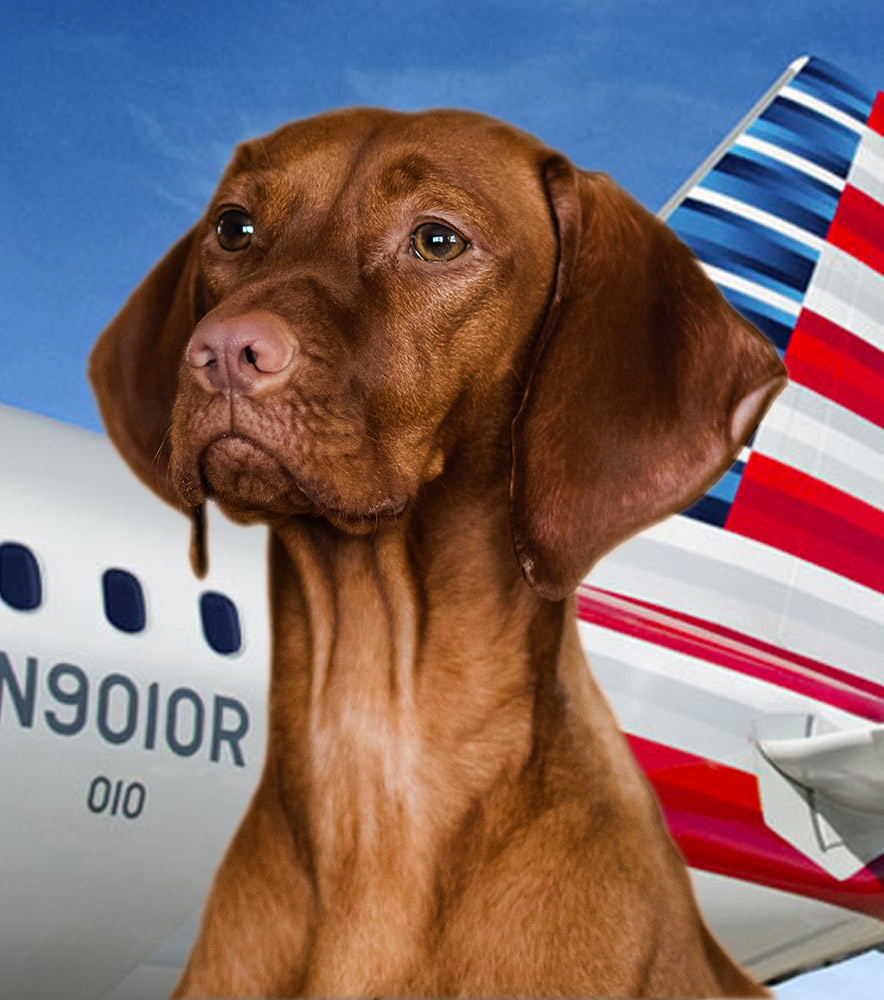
x,y
434,242
234,229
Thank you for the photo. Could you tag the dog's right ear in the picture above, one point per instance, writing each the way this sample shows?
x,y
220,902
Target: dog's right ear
x,y
134,365
644,384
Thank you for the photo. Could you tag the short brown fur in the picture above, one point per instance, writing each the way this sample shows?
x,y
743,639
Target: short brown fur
x,y
448,807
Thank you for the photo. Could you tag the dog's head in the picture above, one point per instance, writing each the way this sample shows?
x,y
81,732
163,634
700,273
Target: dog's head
x,y
369,290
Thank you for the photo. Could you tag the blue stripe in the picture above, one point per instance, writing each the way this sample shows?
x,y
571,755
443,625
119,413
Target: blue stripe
x,y
750,234
836,87
738,299
761,314
761,187
710,510
743,252
715,505
810,203
724,257
807,133
849,105
726,487
812,126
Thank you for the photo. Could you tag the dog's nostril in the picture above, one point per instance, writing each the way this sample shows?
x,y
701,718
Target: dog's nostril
x,y
251,357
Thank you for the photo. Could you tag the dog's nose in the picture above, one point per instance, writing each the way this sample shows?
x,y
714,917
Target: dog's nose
x,y
244,354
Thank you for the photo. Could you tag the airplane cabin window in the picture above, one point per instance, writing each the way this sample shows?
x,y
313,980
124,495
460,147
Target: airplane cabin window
x,y
20,584
220,622
123,600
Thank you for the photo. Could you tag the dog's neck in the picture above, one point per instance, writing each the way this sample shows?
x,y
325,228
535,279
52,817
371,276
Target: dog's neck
x,y
388,718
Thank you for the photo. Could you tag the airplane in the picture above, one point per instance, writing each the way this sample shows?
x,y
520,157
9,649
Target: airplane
x,y
739,642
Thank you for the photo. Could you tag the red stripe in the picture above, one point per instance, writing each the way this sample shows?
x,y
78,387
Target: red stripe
x,y
714,814
851,347
837,364
632,609
729,648
713,810
769,517
697,775
876,118
830,500
858,227
785,508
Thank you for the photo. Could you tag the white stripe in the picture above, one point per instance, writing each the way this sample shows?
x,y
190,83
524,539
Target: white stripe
x,y
822,108
757,215
867,171
697,578
817,628
774,932
739,553
791,160
815,446
849,293
745,696
659,706
752,588
752,289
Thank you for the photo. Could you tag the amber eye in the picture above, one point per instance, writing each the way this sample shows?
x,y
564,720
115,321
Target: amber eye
x,y
234,229
434,242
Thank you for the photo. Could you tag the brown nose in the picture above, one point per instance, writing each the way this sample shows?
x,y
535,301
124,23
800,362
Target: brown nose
x,y
244,354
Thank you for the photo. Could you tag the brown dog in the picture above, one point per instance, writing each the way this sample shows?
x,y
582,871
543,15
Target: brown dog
x,y
406,342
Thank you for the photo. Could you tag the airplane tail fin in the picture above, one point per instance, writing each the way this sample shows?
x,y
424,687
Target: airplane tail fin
x,y
740,643
787,216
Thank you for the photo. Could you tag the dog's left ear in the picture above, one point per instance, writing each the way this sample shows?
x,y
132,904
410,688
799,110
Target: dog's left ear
x,y
133,369
643,386
134,364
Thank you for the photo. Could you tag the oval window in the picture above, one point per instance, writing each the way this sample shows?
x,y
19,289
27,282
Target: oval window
x,y
123,600
220,622
20,585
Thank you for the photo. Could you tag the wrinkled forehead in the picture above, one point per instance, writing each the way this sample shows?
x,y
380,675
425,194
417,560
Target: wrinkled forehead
x,y
354,158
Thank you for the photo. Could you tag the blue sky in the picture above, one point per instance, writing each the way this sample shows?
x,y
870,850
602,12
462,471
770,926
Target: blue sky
x,y
118,118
